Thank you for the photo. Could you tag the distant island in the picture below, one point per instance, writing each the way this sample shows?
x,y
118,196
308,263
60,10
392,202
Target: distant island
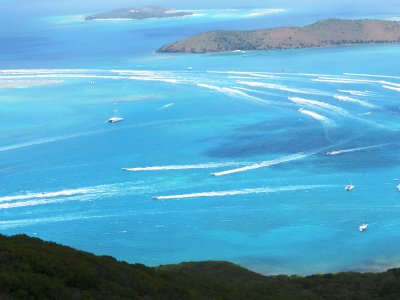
x,y
33,269
328,32
133,13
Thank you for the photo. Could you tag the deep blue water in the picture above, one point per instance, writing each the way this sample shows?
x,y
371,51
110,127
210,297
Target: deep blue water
x,y
278,112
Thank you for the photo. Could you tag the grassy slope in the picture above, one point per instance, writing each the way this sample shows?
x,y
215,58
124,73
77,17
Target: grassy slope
x,y
33,269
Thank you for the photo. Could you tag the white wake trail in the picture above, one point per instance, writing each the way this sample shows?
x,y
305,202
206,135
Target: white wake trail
x,y
183,167
264,164
232,92
336,152
353,100
274,86
317,117
45,195
242,192
314,103
397,89
356,93
40,141
166,106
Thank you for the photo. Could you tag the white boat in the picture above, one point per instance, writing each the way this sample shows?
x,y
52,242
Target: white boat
x,y
363,227
190,68
349,187
329,153
398,187
116,118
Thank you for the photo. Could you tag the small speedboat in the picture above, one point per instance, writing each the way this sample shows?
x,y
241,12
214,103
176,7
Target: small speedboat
x,y
115,119
189,68
363,227
398,187
349,187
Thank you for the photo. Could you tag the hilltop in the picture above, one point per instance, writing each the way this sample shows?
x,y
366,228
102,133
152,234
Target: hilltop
x,y
328,32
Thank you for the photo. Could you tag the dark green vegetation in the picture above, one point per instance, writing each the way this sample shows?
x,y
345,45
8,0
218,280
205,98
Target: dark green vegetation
x,y
33,269
330,32
139,13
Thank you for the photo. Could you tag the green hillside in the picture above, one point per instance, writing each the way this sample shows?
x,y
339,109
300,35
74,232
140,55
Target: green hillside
x,y
33,269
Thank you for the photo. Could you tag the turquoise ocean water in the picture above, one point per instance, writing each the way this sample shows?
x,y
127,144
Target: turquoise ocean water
x,y
263,122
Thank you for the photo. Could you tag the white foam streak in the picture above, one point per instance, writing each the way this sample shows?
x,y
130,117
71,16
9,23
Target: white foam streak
x,y
356,93
242,192
372,75
80,194
314,103
353,100
44,195
397,89
342,80
47,71
39,141
357,149
231,92
390,83
166,106
7,84
183,167
316,116
276,87
263,164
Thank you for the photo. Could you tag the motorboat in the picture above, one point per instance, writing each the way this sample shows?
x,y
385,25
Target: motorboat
x,y
349,187
363,227
116,118
189,68
398,187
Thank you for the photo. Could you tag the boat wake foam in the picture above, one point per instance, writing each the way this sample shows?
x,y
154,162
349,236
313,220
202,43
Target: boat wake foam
x,y
242,192
232,92
353,100
166,106
356,93
80,194
324,120
183,167
274,86
264,164
336,152
314,103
